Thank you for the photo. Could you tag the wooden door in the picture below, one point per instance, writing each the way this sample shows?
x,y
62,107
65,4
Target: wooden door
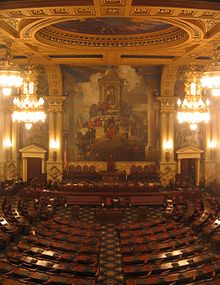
x,y
188,170
184,172
191,170
34,168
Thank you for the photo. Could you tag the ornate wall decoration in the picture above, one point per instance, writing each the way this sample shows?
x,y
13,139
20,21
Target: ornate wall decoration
x,y
184,136
54,173
106,111
14,23
167,173
10,171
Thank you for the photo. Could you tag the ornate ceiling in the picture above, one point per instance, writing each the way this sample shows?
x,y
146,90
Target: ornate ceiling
x,y
110,32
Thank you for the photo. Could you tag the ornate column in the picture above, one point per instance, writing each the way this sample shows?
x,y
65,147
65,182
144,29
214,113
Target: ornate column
x,y
2,154
210,148
198,171
148,147
167,163
55,159
212,165
9,143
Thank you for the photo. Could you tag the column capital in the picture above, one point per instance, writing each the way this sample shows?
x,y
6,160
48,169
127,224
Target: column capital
x,y
167,103
55,103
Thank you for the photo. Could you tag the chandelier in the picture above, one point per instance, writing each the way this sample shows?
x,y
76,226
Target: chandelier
x,y
29,108
10,75
193,109
211,77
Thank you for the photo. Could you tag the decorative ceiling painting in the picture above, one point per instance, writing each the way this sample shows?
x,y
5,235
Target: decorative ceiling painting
x,y
112,26
107,111
111,32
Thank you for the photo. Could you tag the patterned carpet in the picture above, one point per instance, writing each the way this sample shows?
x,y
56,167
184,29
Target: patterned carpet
x,y
110,264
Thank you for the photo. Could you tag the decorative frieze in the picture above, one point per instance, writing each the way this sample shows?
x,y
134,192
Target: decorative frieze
x,y
112,11
16,13
61,11
186,12
169,37
112,8
38,12
85,11
139,11
164,11
113,2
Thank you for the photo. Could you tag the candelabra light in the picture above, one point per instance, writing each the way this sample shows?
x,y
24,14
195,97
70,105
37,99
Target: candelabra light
x,y
28,108
212,146
54,145
211,76
168,146
10,74
194,109
7,146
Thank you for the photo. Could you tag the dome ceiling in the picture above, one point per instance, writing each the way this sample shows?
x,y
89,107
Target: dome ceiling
x,y
111,26
112,32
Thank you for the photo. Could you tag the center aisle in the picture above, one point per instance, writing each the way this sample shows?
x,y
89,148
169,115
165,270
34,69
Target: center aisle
x,y
110,259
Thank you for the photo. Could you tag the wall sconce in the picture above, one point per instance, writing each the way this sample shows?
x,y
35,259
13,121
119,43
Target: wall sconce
x,y
212,146
168,146
7,146
54,145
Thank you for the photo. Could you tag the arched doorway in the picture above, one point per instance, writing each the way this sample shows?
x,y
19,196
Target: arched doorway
x,y
189,164
33,162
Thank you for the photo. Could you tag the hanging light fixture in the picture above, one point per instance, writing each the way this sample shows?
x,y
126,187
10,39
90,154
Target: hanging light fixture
x,y
10,74
28,108
193,109
211,77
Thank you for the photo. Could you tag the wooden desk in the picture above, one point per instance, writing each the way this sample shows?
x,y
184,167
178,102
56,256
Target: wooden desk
x,y
113,176
109,216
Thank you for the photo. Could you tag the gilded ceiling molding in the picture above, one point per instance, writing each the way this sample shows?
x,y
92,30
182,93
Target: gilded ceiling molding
x,y
111,8
55,81
44,33
112,2
14,23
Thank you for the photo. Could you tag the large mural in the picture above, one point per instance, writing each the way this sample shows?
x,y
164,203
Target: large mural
x,y
106,111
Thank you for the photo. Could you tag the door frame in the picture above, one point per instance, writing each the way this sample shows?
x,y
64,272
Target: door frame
x,y
190,152
32,151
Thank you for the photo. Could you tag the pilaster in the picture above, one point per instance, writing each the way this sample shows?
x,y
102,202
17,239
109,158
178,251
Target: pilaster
x,y
167,162
55,157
